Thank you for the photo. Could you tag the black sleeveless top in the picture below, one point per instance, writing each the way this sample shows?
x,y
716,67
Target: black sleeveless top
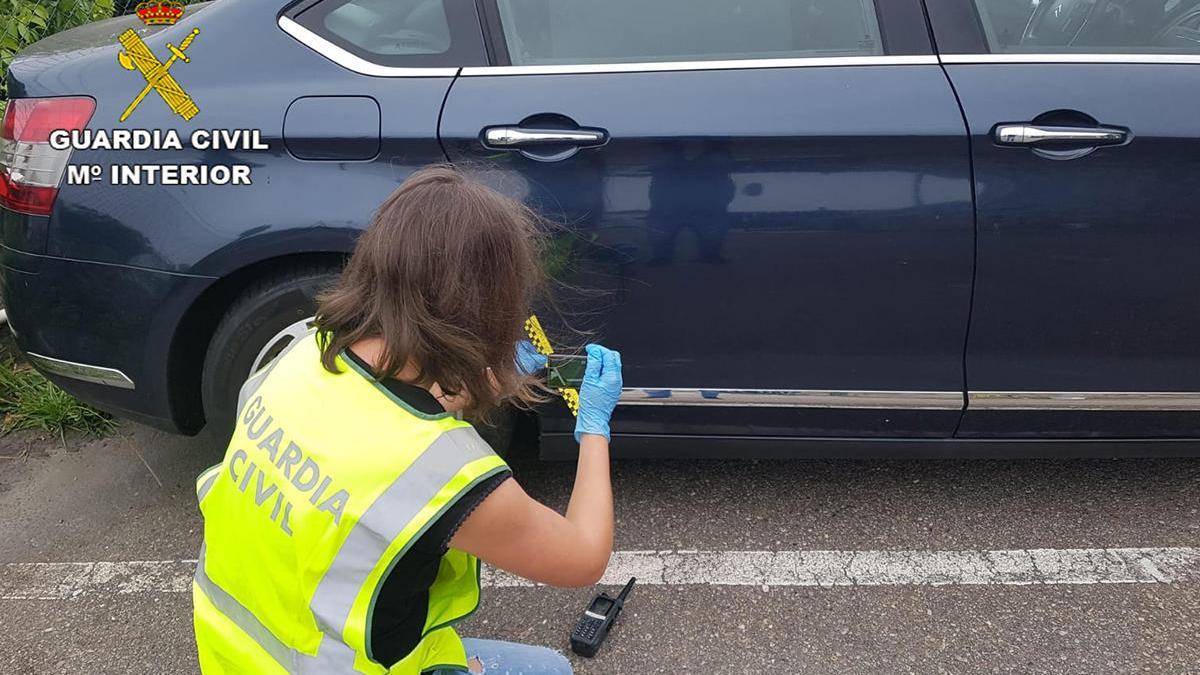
x,y
403,600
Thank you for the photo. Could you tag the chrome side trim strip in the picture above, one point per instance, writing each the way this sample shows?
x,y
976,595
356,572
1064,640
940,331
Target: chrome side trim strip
x,y
913,400
81,371
352,62
744,64
1071,58
795,398
1083,400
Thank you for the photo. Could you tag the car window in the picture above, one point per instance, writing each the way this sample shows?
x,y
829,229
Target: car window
x,y
548,32
391,27
404,33
1091,26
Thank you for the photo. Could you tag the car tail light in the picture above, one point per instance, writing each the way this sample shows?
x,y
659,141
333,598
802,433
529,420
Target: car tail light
x,y
31,170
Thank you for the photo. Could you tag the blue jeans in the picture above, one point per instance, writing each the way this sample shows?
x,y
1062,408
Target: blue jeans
x,y
493,657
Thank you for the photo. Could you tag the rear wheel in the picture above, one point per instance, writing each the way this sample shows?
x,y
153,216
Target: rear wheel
x,y
257,327
261,324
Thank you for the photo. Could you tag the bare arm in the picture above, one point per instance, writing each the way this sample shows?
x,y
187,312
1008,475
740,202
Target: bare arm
x,y
514,532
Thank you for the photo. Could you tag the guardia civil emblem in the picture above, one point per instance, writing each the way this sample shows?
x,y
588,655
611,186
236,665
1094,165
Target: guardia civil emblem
x,y
137,56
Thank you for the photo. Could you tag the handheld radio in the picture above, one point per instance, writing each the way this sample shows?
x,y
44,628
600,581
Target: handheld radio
x,y
597,620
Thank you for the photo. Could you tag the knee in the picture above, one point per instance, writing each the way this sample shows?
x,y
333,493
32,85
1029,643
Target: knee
x,y
550,662
561,665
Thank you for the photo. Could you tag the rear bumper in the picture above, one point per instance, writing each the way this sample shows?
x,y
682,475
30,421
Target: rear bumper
x,y
101,332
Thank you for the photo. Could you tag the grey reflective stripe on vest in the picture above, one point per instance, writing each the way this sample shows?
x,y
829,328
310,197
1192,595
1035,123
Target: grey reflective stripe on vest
x,y
384,520
244,618
208,482
366,544
332,657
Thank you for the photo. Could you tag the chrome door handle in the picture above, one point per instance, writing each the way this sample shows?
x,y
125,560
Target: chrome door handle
x,y
1029,134
515,137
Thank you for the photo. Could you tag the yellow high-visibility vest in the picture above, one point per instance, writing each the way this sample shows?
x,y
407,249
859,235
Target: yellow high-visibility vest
x,y
327,481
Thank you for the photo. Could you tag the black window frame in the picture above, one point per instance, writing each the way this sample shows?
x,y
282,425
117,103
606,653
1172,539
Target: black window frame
x,y
957,27
467,42
904,27
903,30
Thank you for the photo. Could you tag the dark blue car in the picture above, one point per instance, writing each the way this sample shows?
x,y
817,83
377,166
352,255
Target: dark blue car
x,y
839,226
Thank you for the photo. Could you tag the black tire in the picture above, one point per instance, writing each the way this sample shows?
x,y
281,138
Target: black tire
x,y
262,312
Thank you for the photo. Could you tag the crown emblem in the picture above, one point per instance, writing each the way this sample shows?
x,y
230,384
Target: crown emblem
x,y
159,12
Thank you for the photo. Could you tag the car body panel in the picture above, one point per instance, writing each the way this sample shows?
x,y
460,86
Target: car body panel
x,y
149,237
811,227
98,314
1085,314
215,229
1087,268
744,235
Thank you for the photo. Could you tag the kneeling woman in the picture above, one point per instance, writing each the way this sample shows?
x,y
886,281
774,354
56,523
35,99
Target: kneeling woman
x,y
344,528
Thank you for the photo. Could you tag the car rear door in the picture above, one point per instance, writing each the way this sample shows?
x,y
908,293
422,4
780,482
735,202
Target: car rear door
x,y
769,202
1086,146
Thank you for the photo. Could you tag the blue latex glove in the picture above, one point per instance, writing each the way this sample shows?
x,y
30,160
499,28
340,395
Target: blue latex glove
x,y
599,392
529,361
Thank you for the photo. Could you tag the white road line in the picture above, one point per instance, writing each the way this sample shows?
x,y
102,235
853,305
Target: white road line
x,y
1016,567
63,581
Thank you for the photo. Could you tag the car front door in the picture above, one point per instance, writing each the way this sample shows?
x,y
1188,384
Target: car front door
x,y
1086,144
768,203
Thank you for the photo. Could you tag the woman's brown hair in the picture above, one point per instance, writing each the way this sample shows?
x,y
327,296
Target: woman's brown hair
x,y
445,275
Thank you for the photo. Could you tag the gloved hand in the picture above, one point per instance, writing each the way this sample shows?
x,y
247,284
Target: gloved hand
x,y
529,361
599,392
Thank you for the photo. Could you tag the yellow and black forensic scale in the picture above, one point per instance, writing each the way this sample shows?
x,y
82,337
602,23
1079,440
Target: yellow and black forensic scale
x,y
533,328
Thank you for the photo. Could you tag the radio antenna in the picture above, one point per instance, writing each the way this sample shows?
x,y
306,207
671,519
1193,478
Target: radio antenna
x,y
625,591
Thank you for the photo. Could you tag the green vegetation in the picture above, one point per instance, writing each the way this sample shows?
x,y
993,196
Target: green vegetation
x,y
23,22
29,401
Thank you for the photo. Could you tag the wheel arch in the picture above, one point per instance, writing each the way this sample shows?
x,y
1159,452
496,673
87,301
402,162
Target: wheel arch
x,y
195,330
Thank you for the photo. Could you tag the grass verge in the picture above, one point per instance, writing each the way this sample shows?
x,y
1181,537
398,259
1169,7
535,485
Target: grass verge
x,y
30,401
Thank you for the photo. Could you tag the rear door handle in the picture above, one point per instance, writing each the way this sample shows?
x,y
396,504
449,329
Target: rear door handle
x,y
516,137
1032,134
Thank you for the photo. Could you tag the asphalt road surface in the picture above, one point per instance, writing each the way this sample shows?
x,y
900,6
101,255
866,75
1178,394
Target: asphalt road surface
x,y
1079,566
